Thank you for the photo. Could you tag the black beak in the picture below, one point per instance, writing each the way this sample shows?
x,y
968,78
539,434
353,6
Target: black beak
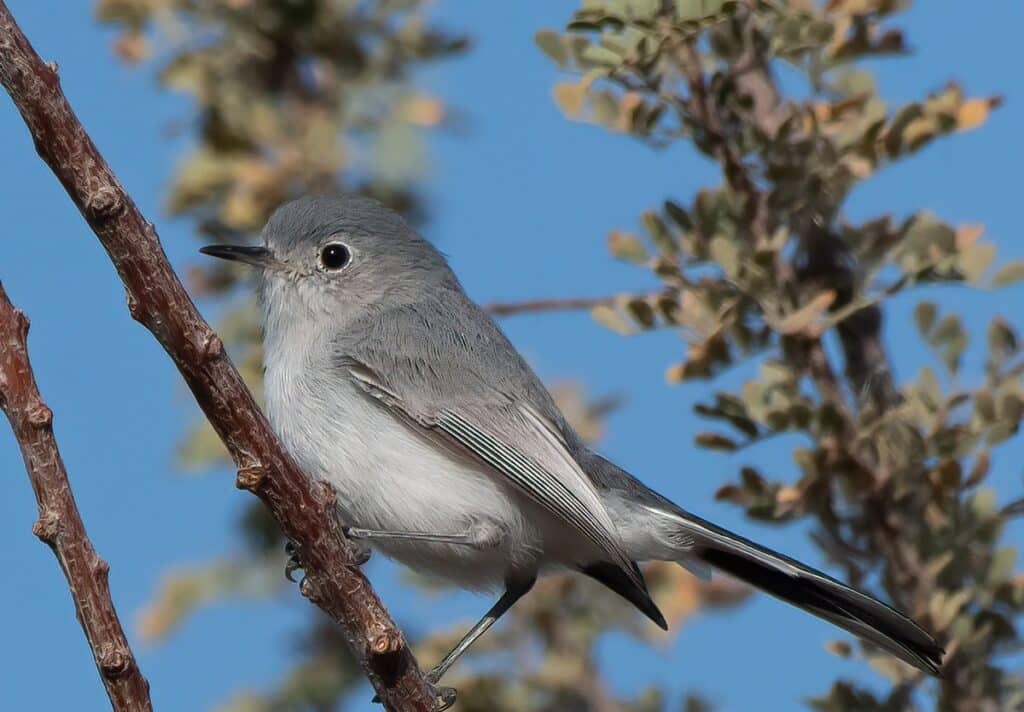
x,y
258,256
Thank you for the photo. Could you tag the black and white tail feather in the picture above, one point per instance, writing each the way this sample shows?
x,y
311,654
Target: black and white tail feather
x,y
807,589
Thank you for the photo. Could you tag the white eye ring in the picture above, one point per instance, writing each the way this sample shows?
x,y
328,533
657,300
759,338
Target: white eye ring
x,y
334,257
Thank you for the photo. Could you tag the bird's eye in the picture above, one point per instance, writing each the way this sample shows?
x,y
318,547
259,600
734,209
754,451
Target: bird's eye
x,y
334,256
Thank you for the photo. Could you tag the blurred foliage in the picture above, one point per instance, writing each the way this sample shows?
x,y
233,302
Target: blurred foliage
x,y
765,267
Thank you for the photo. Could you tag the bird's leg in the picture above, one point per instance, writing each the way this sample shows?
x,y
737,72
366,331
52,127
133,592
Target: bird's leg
x,y
479,535
514,590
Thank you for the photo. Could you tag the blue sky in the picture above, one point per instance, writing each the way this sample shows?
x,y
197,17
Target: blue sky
x,y
521,204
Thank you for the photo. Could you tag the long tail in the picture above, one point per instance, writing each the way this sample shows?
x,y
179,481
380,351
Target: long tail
x,y
812,591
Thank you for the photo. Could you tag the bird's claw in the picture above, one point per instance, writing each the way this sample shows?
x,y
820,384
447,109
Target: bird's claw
x,y
294,563
363,554
362,551
444,697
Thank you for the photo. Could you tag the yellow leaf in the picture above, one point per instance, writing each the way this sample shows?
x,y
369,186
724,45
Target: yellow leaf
x,y
967,235
788,495
972,112
675,373
611,318
630,100
132,47
804,318
424,111
569,96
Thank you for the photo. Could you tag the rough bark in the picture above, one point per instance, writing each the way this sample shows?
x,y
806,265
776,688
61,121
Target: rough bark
x,y
156,298
60,525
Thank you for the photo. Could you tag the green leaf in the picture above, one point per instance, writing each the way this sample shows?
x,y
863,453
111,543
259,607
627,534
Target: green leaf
x,y
679,215
924,316
596,54
753,482
641,312
724,251
1001,566
975,260
951,340
715,441
697,9
551,44
1002,340
659,232
930,391
611,318
627,247
983,503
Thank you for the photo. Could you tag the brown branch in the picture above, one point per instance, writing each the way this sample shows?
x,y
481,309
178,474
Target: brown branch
x,y
156,298
714,125
704,110
529,306
60,525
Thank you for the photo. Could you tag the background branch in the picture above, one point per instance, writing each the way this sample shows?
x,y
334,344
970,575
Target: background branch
x,y
60,525
529,306
156,298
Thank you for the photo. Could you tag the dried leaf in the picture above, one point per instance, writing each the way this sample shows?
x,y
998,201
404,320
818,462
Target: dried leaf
x,y
804,319
1009,273
973,112
569,96
841,648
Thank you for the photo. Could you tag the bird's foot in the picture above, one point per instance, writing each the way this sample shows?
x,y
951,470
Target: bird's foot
x,y
444,697
362,551
293,563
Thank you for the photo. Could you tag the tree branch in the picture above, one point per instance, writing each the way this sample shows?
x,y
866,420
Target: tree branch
x,y
156,298
60,525
529,306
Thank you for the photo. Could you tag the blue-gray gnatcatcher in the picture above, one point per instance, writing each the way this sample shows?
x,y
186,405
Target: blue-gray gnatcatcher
x,y
447,452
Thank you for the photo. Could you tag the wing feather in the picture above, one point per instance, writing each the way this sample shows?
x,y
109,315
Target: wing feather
x,y
542,485
562,488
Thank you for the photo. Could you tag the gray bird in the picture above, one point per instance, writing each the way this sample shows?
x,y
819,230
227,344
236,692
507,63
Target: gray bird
x,y
448,454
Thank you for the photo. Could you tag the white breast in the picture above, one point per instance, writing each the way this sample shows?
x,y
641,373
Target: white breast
x,y
390,477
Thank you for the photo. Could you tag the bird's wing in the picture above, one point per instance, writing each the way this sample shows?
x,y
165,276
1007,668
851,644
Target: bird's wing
x,y
517,442
446,368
